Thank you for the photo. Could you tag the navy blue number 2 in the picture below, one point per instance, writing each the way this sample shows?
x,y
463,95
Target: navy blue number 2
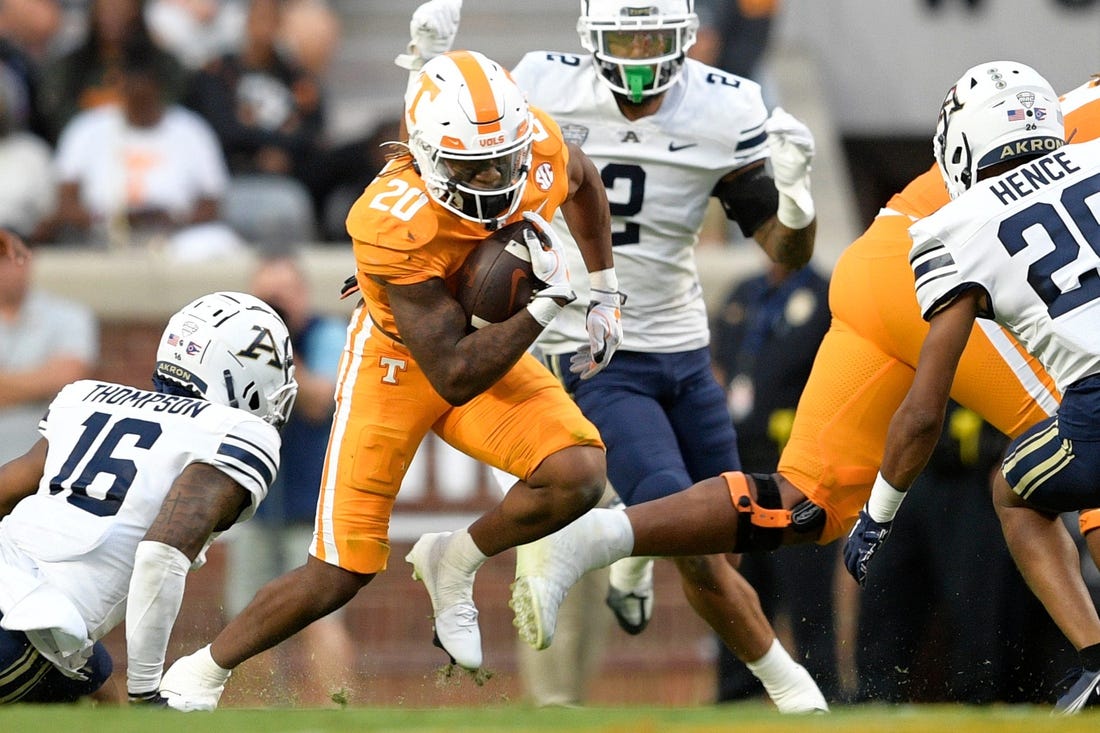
x,y
1067,246
103,462
633,177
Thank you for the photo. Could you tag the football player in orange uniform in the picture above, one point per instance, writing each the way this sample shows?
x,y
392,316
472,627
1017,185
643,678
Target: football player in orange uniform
x,y
478,158
861,374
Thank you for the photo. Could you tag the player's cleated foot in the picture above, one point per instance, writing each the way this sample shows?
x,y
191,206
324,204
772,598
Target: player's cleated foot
x,y
194,682
547,568
452,594
1085,692
630,593
800,695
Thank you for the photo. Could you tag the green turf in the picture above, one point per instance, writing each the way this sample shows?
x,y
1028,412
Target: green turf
x,y
739,718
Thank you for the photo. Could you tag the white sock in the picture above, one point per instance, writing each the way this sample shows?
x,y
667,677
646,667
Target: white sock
x,y
462,552
774,668
630,572
618,535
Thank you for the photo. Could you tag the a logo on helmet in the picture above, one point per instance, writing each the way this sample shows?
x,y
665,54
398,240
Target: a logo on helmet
x,y
264,342
1026,98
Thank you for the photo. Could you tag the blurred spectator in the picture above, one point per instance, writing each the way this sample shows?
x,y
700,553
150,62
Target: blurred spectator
x,y
28,192
954,621
20,59
269,113
316,661
143,173
311,34
764,342
90,75
45,343
32,25
196,31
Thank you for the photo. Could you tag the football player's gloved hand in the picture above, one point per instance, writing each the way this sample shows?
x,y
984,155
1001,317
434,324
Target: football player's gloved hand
x,y
863,542
604,324
194,682
548,264
148,699
792,152
432,32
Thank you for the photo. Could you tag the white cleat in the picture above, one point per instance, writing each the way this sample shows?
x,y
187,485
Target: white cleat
x,y
547,568
194,682
452,595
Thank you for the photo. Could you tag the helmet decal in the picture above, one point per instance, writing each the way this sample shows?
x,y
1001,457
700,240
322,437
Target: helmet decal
x,y
995,112
470,135
232,349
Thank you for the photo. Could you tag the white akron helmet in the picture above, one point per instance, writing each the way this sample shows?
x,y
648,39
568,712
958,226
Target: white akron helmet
x,y
997,111
465,117
639,45
232,349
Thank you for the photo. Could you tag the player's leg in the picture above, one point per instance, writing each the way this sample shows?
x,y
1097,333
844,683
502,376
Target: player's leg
x,y
26,676
525,425
372,442
1028,501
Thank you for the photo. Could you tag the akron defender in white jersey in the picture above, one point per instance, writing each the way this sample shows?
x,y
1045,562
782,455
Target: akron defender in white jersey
x,y
114,452
660,172
1036,258
125,490
1020,244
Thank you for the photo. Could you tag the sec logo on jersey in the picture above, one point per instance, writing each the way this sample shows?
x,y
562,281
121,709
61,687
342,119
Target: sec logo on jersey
x,y
544,176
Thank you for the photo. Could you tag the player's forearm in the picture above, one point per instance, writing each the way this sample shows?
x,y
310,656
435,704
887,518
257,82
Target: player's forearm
x,y
912,437
155,597
589,217
791,248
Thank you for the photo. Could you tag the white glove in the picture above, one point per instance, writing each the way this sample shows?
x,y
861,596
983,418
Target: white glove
x,y
604,324
792,151
194,682
432,32
548,264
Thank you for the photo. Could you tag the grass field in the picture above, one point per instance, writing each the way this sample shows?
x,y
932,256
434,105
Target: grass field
x,y
738,718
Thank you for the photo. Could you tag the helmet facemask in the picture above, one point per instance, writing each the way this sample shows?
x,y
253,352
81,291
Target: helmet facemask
x,y
997,111
638,48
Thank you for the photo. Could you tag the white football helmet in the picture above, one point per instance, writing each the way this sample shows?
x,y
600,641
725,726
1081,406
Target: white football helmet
x,y
639,45
470,134
232,349
997,111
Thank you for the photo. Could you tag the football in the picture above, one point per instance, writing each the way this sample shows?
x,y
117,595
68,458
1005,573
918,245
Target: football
x,y
496,280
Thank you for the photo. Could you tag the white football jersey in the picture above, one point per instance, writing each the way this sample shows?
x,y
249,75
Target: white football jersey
x,y
659,172
114,452
1030,238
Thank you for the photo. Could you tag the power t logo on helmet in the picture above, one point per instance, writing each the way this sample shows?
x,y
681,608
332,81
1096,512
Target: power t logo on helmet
x,y
474,163
639,47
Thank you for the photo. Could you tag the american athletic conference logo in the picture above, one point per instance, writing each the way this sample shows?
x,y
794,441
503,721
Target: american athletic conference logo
x,y
544,176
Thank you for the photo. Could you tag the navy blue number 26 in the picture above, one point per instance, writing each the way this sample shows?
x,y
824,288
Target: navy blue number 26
x,y
1067,246
103,461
